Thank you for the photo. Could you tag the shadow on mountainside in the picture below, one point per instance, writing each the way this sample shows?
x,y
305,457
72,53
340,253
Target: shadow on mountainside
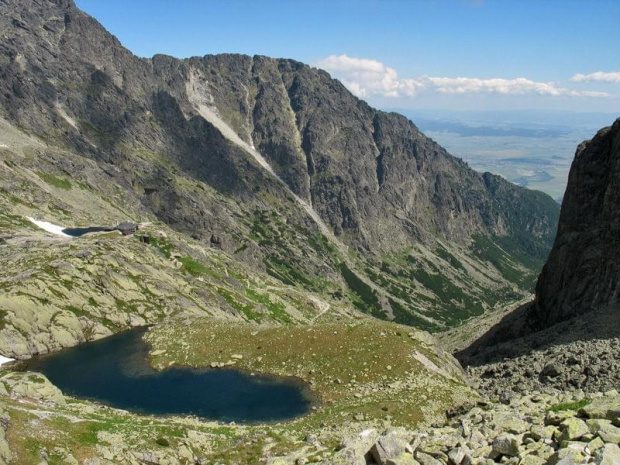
x,y
517,335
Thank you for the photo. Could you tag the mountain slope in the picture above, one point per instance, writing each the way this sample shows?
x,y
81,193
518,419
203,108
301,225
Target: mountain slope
x,y
273,161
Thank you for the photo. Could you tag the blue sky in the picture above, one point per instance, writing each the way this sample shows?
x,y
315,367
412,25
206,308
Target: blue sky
x,y
435,54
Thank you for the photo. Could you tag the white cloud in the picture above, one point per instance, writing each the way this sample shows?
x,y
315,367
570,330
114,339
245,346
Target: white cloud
x,y
518,86
597,77
362,76
366,77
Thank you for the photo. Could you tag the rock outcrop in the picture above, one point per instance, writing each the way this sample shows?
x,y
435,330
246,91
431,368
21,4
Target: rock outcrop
x,y
577,294
583,269
32,386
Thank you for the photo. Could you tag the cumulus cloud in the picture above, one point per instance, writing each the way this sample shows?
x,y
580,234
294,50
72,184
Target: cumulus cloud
x,y
518,86
597,77
362,76
366,77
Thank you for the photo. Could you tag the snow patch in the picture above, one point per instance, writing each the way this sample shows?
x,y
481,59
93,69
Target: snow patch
x,y
4,360
49,227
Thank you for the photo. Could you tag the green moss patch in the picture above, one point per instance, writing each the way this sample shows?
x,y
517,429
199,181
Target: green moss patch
x,y
193,267
367,300
55,181
575,406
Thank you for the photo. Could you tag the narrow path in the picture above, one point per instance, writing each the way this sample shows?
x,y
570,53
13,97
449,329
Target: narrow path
x,y
324,306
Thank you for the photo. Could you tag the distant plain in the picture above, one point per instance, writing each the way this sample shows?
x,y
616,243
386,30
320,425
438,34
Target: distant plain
x,y
532,149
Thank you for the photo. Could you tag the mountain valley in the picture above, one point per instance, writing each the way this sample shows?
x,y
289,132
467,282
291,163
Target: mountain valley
x,y
287,228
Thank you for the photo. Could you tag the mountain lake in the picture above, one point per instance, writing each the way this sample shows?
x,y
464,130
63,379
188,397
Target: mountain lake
x,y
115,371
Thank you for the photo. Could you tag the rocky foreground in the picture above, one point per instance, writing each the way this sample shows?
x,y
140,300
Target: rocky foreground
x,y
544,399
547,427
540,428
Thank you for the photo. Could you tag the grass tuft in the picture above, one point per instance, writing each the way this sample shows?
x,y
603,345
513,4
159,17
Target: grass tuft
x,y
162,441
55,181
575,406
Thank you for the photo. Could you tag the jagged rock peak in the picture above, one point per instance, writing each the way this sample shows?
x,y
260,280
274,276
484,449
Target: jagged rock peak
x,y
63,3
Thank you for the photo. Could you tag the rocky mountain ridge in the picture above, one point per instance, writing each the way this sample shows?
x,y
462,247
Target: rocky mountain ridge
x,y
397,226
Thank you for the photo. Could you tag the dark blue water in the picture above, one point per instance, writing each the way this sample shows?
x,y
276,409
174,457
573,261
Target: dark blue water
x,y
115,372
77,232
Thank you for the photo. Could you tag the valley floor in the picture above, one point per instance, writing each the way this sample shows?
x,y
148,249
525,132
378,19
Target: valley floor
x,y
369,376
385,404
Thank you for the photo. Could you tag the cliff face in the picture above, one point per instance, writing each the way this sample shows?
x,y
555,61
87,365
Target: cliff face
x,y
583,270
375,179
279,161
